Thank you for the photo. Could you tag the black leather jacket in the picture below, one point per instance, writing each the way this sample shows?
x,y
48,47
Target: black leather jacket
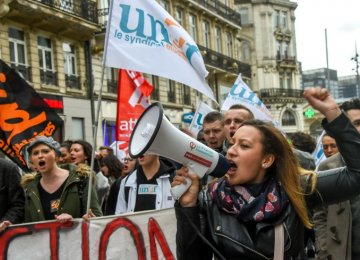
x,y
12,197
235,240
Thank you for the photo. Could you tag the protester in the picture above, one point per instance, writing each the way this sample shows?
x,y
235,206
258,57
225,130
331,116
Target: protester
x,y
65,156
265,189
233,118
111,167
105,151
213,128
148,187
329,145
303,142
338,226
12,197
81,153
54,192
129,165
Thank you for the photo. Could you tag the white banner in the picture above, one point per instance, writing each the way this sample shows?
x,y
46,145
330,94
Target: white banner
x,y
197,121
318,153
147,235
240,93
142,36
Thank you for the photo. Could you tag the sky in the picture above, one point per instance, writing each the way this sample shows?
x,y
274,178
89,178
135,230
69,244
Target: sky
x,y
342,21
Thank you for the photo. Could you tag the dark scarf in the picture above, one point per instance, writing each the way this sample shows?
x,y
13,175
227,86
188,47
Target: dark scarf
x,y
258,202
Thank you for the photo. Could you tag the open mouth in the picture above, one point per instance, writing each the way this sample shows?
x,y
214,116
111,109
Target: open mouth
x,y
41,163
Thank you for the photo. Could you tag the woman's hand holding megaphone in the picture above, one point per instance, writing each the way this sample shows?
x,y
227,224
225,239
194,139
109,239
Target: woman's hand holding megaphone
x,y
189,198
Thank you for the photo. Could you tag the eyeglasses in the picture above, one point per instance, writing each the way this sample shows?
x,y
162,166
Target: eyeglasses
x,y
128,159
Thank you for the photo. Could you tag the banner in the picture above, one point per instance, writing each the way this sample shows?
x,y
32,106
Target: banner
x,y
318,153
133,93
197,122
240,93
142,36
146,235
23,115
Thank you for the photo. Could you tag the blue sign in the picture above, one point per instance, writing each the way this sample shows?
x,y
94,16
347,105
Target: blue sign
x,y
187,117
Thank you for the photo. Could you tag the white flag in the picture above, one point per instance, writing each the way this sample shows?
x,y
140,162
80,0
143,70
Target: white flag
x,y
197,121
318,153
142,36
241,94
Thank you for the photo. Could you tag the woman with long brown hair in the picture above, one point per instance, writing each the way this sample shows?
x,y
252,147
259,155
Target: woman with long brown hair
x,y
262,202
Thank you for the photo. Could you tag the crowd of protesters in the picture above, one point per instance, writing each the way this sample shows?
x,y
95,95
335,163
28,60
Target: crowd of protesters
x,y
271,185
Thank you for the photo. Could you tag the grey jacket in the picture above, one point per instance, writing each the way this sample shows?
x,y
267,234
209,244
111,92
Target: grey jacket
x,y
338,226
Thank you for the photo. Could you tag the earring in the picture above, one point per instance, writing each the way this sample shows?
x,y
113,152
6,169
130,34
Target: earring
x,y
265,165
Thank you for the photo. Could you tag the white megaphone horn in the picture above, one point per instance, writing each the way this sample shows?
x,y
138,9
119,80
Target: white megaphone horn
x,y
153,133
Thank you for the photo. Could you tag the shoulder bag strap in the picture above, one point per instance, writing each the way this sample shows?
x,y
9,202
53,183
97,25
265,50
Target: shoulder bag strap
x,y
279,242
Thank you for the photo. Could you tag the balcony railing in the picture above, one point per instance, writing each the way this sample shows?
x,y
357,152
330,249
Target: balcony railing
x,y
72,81
23,70
221,9
83,8
224,62
280,92
103,15
112,86
48,77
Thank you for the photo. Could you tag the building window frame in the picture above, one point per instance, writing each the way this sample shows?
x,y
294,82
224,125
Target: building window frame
x,y
72,79
218,40
193,26
171,91
229,44
46,61
112,75
186,95
206,33
179,15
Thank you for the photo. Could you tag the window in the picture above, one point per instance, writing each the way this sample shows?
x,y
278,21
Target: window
x,y
165,5
179,16
77,128
218,39
245,52
186,95
284,20
71,78
47,73
281,80
229,51
278,50
172,91
288,119
285,50
206,30
154,81
17,47
109,132
192,25
288,80
244,15
112,80
277,19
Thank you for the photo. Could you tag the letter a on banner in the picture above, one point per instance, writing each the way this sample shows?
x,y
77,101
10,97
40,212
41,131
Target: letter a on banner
x,y
23,115
133,93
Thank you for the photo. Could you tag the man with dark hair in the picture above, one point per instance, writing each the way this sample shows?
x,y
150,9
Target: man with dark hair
x,y
233,118
12,197
303,142
337,226
105,151
213,128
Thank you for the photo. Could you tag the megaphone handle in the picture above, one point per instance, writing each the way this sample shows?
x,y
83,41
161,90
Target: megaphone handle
x,y
180,189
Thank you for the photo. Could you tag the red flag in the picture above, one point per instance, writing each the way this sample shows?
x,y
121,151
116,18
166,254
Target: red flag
x,y
23,115
133,93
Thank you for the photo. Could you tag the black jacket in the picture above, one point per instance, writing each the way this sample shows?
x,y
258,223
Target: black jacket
x,y
236,240
12,198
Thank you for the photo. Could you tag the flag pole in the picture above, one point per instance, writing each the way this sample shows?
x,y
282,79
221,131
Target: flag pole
x,y
96,121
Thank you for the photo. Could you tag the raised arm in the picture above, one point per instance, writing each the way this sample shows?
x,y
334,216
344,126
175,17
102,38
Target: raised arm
x,y
342,183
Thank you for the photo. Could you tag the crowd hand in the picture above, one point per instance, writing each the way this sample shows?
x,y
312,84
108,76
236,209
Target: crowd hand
x,y
88,216
321,100
4,224
189,198
64,217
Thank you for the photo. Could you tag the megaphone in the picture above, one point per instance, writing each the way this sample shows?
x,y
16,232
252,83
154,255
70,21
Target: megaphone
x,y
154,134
